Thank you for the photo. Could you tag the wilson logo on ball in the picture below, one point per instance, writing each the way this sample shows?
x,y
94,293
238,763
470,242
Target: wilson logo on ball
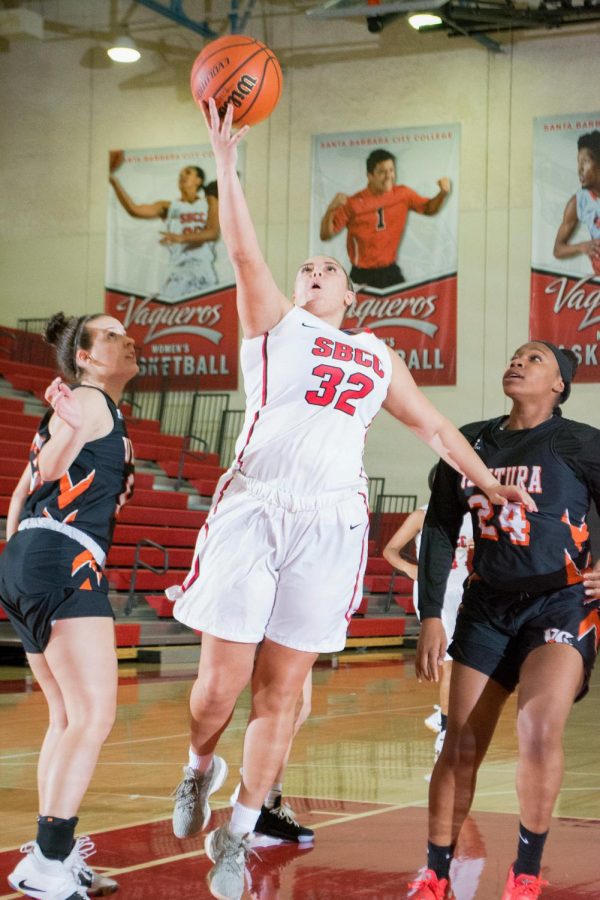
x,y
243,89
241,72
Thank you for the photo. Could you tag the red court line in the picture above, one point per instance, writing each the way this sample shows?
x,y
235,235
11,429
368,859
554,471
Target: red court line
x,y
364,850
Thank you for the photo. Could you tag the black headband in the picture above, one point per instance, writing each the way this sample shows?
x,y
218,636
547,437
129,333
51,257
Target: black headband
x,y
565,367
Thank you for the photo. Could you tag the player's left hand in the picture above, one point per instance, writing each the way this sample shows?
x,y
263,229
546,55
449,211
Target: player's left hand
x,y
169,237
444,185
500,494
431,650
591,583
65,403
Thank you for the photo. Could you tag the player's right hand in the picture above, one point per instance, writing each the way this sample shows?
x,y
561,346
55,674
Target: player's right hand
x,y
431,650
116,159
338,200
64,403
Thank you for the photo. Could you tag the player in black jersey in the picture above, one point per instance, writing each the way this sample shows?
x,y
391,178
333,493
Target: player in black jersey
x,y
59,529
530,612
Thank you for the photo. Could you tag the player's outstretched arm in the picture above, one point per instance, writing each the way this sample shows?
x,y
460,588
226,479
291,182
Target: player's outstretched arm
x,y
408,404
562,248
407,532
434,203
75,422
261,305
328,229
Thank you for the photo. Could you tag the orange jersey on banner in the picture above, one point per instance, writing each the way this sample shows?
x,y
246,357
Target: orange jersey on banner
x,y
375,224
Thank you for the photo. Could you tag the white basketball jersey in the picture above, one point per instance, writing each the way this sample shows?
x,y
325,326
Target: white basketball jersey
x,y
588,211
312,391
185,218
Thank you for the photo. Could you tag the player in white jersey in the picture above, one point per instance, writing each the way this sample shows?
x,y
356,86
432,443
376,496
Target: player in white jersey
x,y
283,550
584,206
191,228
410,530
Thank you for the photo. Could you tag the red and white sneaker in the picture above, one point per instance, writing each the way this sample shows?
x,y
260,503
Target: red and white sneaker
x,y
428,886
522,887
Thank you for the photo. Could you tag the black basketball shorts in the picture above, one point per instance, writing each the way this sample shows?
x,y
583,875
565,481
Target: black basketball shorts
x,y
45,576
496,631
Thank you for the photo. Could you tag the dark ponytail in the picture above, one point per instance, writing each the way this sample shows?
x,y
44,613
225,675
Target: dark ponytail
x,y
68,334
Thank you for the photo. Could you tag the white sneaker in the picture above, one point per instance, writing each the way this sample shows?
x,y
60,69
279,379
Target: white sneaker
x,y
97,885
439,743
46,879
434,721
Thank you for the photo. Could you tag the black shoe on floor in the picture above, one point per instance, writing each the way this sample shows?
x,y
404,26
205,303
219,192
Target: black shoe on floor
x,y
280,822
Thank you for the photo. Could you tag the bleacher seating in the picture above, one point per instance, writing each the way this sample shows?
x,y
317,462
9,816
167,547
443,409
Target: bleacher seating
x,y
166,517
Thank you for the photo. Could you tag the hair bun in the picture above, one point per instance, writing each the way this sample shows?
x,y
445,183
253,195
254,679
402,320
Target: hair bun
x,y
55,326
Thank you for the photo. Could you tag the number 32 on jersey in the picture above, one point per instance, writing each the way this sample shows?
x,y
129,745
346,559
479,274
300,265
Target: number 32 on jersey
x,y
511,518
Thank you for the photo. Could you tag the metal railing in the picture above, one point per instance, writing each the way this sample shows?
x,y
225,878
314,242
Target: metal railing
x,y
199,456
139,563
231,425
390,510
376,488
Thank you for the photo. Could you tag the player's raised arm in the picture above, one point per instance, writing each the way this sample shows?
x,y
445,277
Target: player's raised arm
x,y
328,229
408,404
261,305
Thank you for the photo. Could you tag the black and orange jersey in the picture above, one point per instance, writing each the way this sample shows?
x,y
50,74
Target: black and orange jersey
x,y
93,489
375,224
558,463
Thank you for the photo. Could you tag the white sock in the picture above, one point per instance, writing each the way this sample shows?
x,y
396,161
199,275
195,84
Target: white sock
x,y
274,794
200,763
243,819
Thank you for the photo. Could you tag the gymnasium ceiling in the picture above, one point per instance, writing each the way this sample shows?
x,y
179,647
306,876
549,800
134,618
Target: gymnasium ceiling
x,y
302,32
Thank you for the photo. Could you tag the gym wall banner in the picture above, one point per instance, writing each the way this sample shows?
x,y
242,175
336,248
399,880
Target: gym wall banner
x,y
175,296
565,258
404,262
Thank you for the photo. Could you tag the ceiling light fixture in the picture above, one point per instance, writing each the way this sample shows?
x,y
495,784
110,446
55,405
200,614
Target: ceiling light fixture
x,y
424,20
124,50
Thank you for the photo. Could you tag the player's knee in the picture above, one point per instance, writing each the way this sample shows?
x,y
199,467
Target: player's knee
x,y
213,692
539,739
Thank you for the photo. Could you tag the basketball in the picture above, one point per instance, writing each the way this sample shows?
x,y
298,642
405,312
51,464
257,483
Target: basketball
x,y
241,71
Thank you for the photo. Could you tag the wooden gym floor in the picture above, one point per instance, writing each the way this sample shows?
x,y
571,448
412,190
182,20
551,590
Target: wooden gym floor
x,y
357,776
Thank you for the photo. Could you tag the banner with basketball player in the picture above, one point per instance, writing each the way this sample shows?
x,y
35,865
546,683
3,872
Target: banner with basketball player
x,y
168,277
385,203
565,258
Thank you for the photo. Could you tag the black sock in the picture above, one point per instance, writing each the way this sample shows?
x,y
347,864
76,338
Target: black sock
x,y
444,721
56,837
529,852
439,859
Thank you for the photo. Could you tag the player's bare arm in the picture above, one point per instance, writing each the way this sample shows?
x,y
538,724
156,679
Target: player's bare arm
x,y
203,235
407,532
327,230
408,404
435,203
261,305
562,248
79,416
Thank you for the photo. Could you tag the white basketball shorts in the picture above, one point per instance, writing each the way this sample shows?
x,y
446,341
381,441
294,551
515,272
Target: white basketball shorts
x,y
272,564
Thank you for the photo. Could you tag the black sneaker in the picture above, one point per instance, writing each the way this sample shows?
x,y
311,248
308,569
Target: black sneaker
x,y
280,822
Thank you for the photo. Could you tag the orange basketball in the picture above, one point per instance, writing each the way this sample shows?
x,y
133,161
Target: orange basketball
x,y
240,70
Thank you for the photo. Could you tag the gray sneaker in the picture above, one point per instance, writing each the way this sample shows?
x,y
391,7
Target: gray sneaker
x,y
229,853
192,812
